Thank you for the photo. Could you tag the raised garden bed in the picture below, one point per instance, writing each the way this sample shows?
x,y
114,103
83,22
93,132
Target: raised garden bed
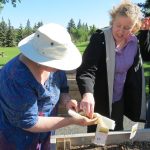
x,y
136,145
115,141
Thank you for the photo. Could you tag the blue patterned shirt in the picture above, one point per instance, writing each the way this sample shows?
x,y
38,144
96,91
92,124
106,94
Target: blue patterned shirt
x,y
22,99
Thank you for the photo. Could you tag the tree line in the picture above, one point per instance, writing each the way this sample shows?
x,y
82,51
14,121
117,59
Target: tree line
x,y
10,36
80,32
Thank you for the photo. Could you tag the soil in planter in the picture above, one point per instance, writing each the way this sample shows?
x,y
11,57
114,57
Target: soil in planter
x,y
123,146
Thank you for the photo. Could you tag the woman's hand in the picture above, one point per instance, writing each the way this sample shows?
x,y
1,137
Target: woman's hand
x,y
87,104
72,104
145,24
85,121
68,102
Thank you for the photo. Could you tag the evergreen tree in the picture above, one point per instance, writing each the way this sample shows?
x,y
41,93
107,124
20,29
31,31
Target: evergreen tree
x,y
9,36
79,24
71,25
13,2
86,27
39,24
82,34
3,30
92,30
28,29
1,6
74,34
36,26
19,34
79,33
145,8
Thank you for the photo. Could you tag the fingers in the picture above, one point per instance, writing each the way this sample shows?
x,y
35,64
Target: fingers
x,y
91,112
90,121
74,114
85,107
87,104
72,104
82,120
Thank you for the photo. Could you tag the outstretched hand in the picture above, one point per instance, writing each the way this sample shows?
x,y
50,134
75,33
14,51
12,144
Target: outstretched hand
x,y
85,121
82,119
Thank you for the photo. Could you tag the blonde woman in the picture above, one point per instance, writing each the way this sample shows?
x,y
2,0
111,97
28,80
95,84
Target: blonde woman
x,y
110,77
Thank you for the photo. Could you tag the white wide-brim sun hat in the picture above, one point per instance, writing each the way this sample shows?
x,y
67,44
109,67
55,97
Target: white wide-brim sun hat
x,y
51,46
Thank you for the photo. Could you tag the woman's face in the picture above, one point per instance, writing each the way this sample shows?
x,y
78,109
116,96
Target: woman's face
x,y
122,28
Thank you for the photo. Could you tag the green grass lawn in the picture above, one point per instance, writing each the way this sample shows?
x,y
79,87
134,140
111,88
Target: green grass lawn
x,y
82,46
10,52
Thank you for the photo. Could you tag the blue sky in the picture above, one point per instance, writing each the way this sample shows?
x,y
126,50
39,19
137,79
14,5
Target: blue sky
x,y
60,11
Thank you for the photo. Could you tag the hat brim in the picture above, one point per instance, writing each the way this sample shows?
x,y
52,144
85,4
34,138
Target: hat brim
x,y
71,61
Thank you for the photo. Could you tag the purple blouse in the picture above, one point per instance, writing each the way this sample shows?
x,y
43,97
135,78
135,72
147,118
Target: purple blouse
x,y
123,60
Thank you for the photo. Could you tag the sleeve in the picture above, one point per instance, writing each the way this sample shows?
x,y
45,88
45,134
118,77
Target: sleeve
x,y
64,88
20,104
87,71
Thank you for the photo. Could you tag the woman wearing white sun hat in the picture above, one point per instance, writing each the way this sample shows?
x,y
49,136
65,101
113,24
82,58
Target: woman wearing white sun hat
x,y
31,86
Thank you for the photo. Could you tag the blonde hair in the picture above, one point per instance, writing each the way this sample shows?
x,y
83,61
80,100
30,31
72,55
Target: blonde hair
x,y
128,9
